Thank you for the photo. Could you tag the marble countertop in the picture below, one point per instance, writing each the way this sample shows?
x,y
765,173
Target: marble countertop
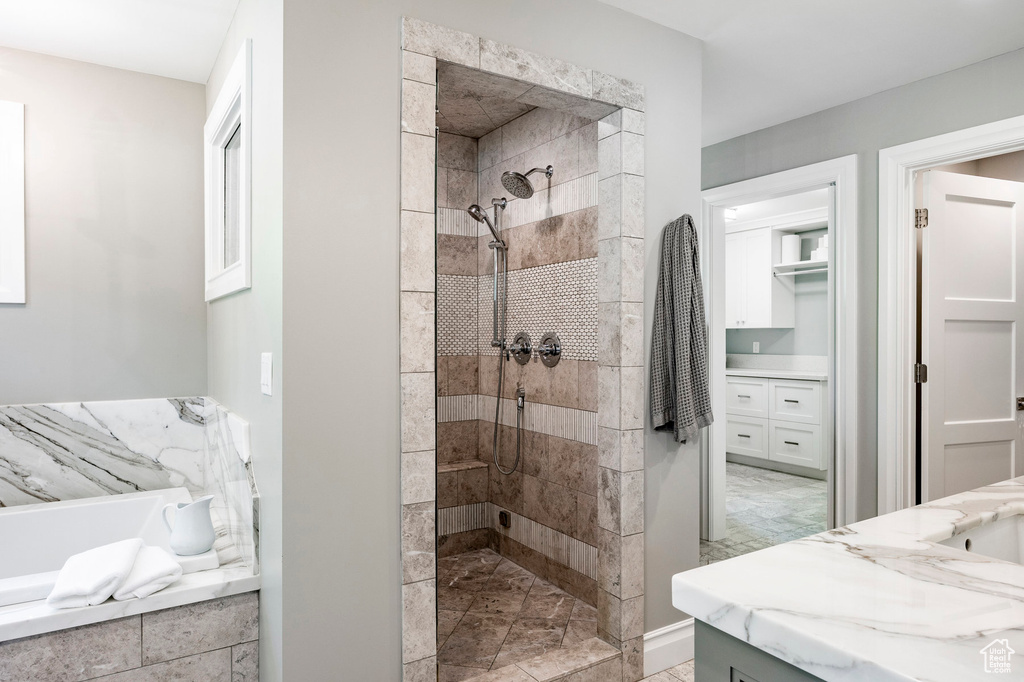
x,y
875,601
35,617
775,373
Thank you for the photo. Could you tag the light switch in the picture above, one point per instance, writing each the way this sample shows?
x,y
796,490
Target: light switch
x,y
757,347
267,373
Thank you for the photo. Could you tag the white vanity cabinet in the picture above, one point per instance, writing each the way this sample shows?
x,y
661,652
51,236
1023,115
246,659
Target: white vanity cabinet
x,y
776,419
754,297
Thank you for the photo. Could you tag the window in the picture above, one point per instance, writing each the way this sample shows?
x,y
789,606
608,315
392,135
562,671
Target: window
x,y
227,133
12,202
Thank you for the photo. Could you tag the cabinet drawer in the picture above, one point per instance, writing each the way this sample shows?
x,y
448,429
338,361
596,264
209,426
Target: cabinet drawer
x,y
747,396
795,401
746,436
798,444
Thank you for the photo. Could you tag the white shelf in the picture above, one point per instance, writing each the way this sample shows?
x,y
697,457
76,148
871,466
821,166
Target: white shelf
x,y
798,267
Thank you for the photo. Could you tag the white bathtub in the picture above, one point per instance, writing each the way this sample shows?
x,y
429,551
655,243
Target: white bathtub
x,y
36,539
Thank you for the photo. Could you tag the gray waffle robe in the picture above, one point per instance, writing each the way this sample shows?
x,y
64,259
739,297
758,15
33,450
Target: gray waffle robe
x,y
680,399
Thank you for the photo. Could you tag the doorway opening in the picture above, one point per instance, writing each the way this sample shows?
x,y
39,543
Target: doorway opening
x,y
966,430
780,462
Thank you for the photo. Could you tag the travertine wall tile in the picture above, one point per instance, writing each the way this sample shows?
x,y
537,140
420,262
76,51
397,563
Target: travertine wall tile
x,y
633,121
197,628
457,152
418,476
609,397
632,501
417,325
419,67
440,42
609,501
632,207
633,660
618,91
418,546
418,414
609,614
534,68
610,124
609,224
632,617
418,105
417,270
75,654
423,670
419,620
245,662
632,153
417,173
213,666
631,572
632,398
609,156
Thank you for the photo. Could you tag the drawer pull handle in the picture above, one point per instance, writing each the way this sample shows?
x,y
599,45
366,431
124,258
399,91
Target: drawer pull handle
x,y
742,435
789,442
790,400
742,396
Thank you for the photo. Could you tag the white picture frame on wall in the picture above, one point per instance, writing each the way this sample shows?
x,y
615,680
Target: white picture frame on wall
x,y
12,202
227,144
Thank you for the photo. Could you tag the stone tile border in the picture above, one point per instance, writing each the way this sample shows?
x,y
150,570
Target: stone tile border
x,y
620,416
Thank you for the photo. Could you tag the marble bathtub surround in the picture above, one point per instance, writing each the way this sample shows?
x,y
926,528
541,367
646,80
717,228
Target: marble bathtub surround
x,y
66,451
878,599
571,139
214,640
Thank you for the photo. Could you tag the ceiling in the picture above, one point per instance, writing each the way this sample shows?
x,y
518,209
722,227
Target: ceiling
x,y
473,103
766,62
173,38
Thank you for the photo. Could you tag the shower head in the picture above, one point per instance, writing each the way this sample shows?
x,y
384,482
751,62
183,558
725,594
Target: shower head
x,y
519,184
480,215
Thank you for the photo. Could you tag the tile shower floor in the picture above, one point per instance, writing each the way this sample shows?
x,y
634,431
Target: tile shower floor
x,y
493,612
765,508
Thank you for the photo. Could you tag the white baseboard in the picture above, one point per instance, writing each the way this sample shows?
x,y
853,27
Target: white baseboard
x,y
668,646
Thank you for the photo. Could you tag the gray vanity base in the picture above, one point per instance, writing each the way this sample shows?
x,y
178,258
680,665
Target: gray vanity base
x,y
719,657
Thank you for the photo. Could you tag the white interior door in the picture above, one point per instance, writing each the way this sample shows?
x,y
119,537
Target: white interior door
x,y
972,310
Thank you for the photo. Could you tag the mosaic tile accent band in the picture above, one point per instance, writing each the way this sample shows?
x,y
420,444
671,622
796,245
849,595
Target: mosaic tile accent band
x,y
553,544
458,408
456,221
463,518
574,195
551,420
456,304
561,297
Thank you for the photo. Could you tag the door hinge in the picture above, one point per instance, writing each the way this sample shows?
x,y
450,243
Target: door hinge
x,y
920,373
920,218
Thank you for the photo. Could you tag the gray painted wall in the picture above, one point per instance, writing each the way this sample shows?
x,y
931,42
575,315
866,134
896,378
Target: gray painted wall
x,y
245,324
114,235
341,255
977,94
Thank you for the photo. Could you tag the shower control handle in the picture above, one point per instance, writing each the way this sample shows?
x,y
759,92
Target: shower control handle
x,y
550,349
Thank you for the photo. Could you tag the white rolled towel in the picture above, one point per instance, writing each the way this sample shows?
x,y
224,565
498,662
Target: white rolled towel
x,y
92,577
154,570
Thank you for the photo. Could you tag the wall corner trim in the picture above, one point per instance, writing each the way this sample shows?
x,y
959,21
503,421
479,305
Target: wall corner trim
x,y
667,647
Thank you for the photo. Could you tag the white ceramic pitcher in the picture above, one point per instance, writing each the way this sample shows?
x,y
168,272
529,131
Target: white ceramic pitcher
x,y
192,532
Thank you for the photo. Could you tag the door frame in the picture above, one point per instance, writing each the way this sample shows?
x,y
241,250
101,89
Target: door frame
x,y
842,472
897,289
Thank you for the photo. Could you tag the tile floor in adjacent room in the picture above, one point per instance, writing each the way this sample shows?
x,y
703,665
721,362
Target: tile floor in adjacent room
x,y
679,673
765,508
493,612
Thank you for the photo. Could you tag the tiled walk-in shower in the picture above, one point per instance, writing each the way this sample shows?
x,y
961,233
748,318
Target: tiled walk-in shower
x,y
493,612
564,500
765,508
